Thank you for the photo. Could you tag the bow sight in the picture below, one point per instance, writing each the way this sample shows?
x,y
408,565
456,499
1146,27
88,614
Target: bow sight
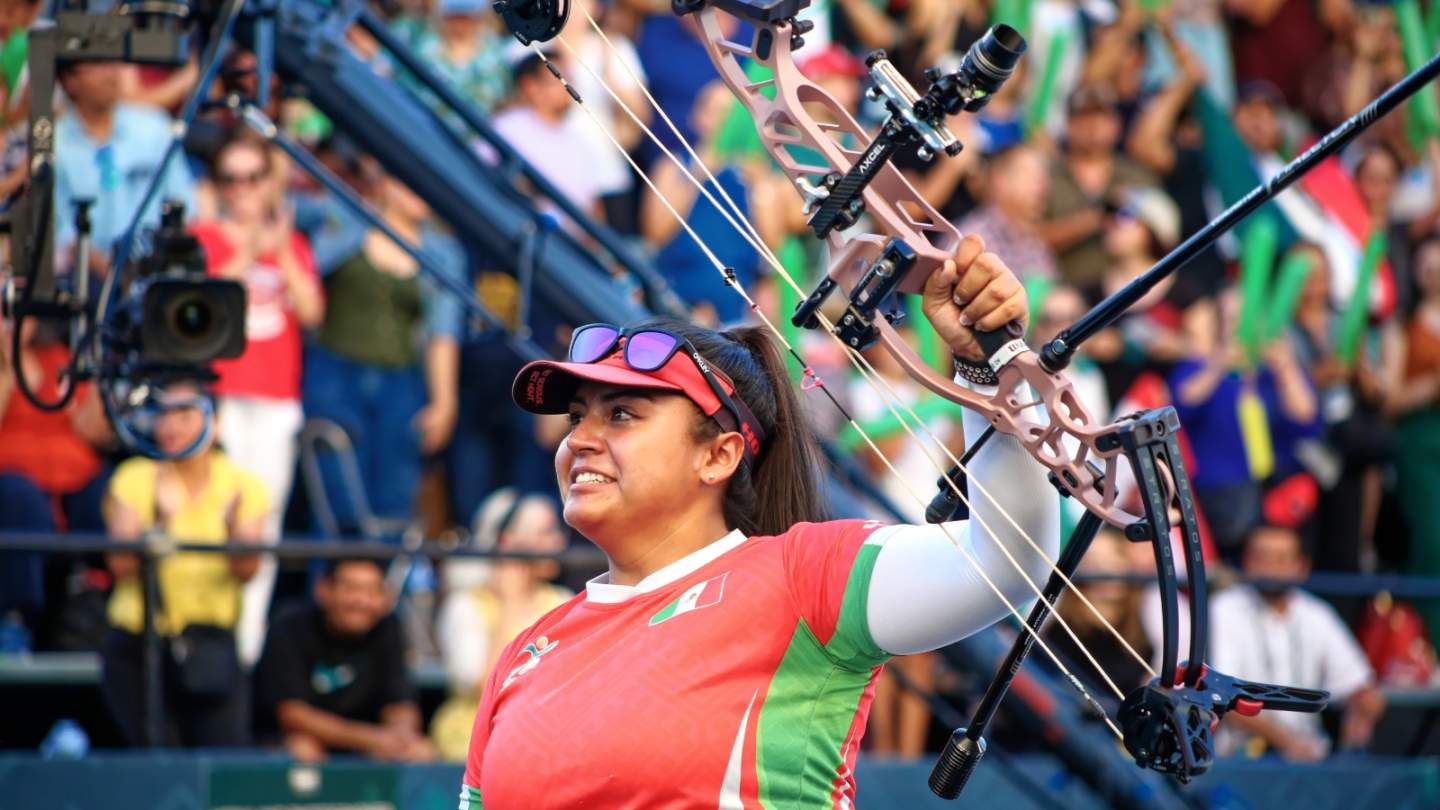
x,y
914,119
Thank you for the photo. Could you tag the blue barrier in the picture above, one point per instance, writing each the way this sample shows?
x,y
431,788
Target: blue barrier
x,y
183,781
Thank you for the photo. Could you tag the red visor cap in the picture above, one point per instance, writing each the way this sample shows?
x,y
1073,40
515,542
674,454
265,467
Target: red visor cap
x,y
547,386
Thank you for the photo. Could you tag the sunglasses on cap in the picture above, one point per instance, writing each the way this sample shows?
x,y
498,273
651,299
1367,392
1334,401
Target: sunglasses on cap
x,y
649,350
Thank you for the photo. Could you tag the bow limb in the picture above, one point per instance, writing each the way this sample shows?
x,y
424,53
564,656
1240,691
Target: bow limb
x,y
858,252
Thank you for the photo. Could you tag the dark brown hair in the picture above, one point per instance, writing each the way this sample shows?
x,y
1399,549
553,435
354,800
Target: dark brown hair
x,y
784,487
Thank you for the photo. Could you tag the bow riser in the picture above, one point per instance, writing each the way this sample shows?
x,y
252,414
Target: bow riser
x,y
893,205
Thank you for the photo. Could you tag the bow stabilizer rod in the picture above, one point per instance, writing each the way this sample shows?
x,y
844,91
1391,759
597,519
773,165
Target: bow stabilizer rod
x,y
1056,354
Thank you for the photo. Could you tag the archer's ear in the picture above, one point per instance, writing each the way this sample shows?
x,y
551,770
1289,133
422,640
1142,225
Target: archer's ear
x,y
722,458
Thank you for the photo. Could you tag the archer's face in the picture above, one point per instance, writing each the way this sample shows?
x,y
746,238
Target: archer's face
x,y
630,460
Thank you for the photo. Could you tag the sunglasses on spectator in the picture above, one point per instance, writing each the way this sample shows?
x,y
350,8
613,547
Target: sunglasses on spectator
x,y
235,179
649,350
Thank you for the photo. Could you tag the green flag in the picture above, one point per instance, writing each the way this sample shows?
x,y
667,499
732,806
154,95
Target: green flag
x,y
1357,311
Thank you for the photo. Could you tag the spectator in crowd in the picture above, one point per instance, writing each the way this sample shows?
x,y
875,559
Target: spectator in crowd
x,y
608,56
1084,179
1236,449
253,241
107,150
1357,445
1166,138
1198,26
1275,632
1117,59
1367,59
1259,119
1143,228
1416,403
465,46
1271,40
16,17
332,677
1377,176
1017,185
51,475
201,498
490,602
539,126
384,366
677,67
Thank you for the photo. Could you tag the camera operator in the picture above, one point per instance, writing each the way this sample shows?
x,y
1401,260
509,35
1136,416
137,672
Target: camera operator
x,y
107,150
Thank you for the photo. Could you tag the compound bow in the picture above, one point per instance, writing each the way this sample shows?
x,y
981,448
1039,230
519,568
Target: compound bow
x,y
1166,725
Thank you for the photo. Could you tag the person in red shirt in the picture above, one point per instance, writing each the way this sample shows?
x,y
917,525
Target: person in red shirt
x,y
252,240
729,655
51,476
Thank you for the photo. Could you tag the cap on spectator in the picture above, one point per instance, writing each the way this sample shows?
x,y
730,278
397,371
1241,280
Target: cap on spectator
x,y
1156,211
1259,90
1291,502
461,8
831,61
1091,98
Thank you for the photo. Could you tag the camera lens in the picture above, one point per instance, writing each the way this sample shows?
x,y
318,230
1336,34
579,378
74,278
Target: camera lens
x,y
191,317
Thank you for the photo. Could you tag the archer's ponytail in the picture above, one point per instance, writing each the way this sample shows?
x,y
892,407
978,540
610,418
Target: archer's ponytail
x,y
786,482
784,487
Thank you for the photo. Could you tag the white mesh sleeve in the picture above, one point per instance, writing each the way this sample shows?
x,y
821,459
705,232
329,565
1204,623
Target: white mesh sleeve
x,y
925,594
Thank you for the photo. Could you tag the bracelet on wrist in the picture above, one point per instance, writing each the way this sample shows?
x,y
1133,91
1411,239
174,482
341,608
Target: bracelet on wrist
x,y
974,371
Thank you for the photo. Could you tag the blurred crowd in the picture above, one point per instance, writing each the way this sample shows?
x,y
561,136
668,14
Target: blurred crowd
x,y
1302,351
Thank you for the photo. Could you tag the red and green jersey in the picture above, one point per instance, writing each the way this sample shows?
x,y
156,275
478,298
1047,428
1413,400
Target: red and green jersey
x,y
737,677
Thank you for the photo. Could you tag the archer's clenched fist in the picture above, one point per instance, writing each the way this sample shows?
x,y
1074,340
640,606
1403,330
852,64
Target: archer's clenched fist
x,y
975,290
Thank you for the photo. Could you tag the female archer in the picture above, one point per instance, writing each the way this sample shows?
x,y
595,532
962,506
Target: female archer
x,y
728,656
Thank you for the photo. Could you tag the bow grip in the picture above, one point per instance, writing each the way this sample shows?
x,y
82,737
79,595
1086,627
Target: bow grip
x,y
993,342
956,763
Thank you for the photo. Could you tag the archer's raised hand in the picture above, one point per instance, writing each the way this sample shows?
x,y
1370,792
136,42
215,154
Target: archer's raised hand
x,y
974,290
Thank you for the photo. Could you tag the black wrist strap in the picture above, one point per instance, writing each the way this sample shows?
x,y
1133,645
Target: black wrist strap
x,y
975,371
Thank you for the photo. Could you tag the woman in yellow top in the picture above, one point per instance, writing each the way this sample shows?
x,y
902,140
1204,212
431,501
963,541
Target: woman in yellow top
x,y
202,498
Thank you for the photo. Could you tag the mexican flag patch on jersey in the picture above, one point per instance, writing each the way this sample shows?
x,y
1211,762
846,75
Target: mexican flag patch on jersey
x,y
699,595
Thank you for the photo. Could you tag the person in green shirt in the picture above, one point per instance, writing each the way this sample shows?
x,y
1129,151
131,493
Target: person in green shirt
x,y
384,362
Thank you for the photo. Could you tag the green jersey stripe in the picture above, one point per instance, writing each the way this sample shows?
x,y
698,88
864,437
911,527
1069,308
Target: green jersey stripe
x,y
851,644
470,798
809,708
